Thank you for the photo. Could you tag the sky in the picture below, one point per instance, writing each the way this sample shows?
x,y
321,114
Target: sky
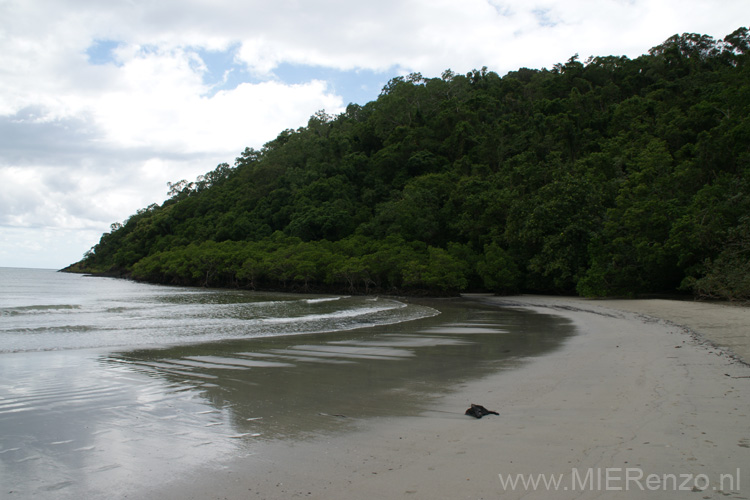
x,y
103,103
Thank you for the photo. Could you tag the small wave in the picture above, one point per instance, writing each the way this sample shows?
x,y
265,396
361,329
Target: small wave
x,y
119,309
349,313
323,299
38,309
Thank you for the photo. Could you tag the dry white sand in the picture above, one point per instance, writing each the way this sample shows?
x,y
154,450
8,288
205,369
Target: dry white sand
x,y
724,324
632,407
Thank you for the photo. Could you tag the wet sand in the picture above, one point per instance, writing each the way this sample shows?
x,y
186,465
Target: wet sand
x,y
639,403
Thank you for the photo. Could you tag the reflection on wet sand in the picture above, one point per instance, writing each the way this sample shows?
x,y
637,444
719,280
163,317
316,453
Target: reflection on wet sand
x,y
281,387
98,422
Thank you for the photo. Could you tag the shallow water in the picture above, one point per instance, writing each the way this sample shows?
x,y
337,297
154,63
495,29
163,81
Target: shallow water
x,y
41,310
113,385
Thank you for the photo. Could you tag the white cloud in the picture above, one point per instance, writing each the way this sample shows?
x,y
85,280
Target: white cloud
x,y
83,145
162,103
50,248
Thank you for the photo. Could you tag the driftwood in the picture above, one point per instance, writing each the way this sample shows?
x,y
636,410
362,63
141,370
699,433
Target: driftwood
x,y
479,411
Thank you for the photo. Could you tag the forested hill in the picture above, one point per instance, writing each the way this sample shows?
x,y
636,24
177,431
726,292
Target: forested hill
x,y
609,176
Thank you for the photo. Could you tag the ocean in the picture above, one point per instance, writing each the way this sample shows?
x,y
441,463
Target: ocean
x,y
107,385
43,310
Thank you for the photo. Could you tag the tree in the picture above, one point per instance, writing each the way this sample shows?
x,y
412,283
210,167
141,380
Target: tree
x,y
498,271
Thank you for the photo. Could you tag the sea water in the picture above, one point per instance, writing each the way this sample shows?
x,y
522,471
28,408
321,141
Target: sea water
x,y
43,310
107,385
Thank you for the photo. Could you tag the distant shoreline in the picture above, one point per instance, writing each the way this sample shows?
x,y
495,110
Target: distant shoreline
x,y
294,288
401,292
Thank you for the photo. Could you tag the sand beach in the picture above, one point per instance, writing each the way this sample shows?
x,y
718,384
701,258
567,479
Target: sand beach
x,y
651,399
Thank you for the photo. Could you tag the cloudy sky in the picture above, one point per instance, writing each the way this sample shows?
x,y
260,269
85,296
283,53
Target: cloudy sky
x,y
103,102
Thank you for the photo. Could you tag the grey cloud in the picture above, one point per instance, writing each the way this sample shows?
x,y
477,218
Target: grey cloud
x,y
24,139
27,138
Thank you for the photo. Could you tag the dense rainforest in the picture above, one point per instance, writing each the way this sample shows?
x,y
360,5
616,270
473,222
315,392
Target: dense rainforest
x,y
609,176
